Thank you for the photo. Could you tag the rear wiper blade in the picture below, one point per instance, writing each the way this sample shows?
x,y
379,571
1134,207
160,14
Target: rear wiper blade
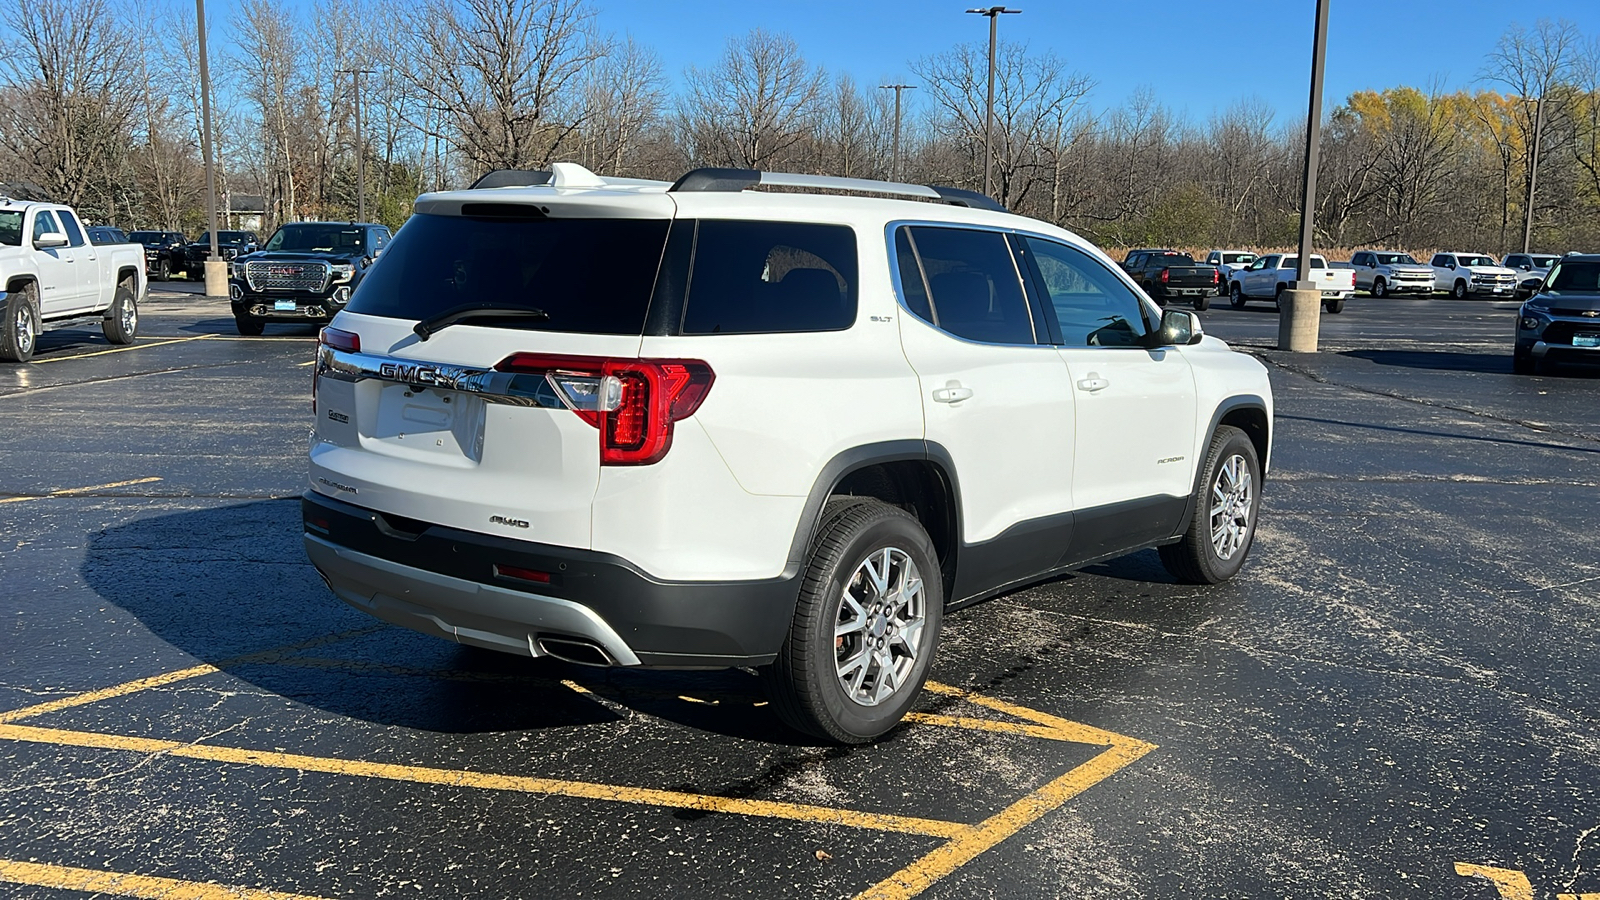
x,y
431,325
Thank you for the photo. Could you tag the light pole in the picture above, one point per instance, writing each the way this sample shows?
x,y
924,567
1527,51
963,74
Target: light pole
x,y
216,269
361,154
1533,173
993,13
1300,321
898,89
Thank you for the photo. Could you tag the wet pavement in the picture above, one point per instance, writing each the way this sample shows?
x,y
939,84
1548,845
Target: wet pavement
x,y
1397,697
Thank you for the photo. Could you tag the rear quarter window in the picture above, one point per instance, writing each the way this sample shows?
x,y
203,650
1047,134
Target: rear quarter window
x,y
771,277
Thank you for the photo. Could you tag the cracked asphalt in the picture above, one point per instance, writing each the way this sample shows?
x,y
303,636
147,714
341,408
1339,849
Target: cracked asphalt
x,y
1401,680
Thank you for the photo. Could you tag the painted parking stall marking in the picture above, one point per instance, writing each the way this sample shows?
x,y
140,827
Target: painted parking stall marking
x,y
963,842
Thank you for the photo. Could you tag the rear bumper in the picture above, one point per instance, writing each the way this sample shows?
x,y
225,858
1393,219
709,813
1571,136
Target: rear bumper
x,y
443,581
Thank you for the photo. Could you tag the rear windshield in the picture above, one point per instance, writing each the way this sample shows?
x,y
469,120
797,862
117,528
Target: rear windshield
x,y
146,237
1173,259
589,275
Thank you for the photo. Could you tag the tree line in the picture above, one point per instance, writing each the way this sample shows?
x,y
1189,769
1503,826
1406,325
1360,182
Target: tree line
x,y
99,108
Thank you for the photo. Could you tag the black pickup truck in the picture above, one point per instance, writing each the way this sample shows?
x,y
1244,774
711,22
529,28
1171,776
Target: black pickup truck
x,y
1165,274
163,252
305,272
229,245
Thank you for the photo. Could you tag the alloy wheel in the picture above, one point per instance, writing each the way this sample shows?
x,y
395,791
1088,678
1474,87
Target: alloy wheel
x,y
1232,499
878,629
24,329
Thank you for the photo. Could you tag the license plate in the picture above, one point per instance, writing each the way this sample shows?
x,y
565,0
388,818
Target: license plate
x,y
283,305
1330,293
1499,289
1586,339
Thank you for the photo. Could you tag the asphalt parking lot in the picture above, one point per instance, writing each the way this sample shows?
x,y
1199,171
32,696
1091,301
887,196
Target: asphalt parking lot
x,y
1397,697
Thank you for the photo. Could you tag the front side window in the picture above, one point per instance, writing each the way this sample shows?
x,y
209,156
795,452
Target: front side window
x,y
1092,306
973,285
44,223
771,278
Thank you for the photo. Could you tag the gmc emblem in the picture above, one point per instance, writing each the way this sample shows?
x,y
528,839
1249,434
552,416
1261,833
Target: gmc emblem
x,y
409,374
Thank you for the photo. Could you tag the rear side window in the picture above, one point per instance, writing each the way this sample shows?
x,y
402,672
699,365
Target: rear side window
x,y
589,275
74,234
771,277
975,289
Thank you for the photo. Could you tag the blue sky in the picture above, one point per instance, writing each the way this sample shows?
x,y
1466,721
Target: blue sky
x,y
1196,57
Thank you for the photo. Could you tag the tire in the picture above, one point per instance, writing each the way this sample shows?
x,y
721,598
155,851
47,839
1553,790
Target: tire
x,y
1202,302
1334,306
1380,289
1459,291
249,326
1236,296
806,684
121,324
163,270
1523,363
19,329
1277,297
1218,539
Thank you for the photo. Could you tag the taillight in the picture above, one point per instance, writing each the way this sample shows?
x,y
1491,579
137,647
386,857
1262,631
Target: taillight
x,y
633,402
339,339
1164,276
1216,276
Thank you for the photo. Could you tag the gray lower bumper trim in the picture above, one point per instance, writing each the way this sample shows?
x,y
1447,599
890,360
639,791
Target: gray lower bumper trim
x,y
456,609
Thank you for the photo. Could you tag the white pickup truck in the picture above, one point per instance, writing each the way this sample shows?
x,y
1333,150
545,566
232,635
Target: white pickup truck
x,y
52,276
1271,275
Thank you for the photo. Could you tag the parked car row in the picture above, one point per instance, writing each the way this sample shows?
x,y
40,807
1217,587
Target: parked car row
x,y
168,253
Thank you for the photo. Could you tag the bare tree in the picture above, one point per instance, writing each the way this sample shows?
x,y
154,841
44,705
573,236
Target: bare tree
x,y
623,94
505,75
69,98
754,106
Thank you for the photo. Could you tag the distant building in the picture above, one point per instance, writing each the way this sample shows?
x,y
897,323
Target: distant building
x,y
244,211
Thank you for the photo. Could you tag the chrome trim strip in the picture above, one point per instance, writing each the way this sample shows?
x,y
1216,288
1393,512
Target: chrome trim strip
x,y
507,388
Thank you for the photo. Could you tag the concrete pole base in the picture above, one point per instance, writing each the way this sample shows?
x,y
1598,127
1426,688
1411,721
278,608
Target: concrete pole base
x,y
216,278
1299,320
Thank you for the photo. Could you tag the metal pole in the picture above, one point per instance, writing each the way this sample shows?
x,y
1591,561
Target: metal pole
x,y
988,116
215,269
1308,204
894,172
1533,174
994,13
205,120
361,159
1300,307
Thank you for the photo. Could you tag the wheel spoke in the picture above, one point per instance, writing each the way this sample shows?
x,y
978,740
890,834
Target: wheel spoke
x,y
857,621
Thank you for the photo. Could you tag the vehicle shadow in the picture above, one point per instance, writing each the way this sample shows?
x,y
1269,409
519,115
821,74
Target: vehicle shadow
x,y
227,328
1456,361
232,581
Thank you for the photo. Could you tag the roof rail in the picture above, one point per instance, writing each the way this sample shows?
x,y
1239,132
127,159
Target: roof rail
x,y
730,180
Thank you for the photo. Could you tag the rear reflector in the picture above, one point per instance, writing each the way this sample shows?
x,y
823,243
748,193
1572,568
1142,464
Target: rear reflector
x,y
634,402
521,574
339,339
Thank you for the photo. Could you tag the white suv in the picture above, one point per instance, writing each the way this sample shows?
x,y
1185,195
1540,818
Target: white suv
x,y
629,423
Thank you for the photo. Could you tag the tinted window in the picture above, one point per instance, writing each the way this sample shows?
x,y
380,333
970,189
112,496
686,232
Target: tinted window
x,y
1440,260
972,277
589,275
11,228
147,237
914,291
768,277
313,238
1093,307
43,224
1582,277
74,233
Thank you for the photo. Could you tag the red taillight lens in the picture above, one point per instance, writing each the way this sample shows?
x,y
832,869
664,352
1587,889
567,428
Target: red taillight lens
x,y
1216,276
521,574
1163,276
654,394
338,339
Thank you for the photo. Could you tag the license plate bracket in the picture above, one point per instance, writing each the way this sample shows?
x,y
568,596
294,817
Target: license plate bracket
x,y
1586,339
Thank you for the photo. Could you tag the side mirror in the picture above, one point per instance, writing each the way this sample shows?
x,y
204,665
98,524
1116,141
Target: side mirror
x,y
1450,265
1179,327
50,240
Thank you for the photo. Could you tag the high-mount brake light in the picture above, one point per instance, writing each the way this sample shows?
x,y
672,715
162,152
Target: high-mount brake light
x,y
339,339
633,402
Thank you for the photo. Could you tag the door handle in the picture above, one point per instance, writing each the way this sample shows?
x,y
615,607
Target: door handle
x,y
1094,383
952,392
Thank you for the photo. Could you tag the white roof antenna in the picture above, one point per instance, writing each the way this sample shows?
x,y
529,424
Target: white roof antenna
x,y
572,175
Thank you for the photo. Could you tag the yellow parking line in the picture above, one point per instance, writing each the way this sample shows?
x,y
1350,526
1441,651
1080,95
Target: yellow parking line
x,y
67,492
91,881
122,349
144,684
1512,884
947,858
490,781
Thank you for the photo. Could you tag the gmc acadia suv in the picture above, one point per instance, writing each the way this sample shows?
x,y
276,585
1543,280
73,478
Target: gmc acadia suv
x,y
628,423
